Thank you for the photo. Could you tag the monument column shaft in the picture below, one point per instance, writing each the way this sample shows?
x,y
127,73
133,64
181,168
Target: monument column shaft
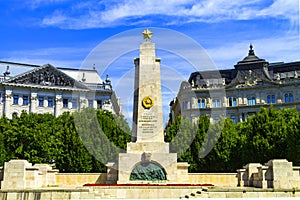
x,y
147,120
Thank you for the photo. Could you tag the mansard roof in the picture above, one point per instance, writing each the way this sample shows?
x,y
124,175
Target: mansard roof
x,y
46,75
250,71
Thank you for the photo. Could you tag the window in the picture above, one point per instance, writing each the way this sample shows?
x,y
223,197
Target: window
x,y
289,98
243,118
232,101
90,103
286,98
233,118
99,104
14,116
16,99
216,103
50,101
41,101
25,100
185,105
201,103
271,99
268,99
74,104
65,103
251,101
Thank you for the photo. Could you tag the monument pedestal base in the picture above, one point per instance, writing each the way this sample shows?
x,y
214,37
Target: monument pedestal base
x,y
156,153
151,147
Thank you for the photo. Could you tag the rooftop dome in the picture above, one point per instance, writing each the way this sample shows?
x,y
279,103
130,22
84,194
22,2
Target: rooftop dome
x,y
251,57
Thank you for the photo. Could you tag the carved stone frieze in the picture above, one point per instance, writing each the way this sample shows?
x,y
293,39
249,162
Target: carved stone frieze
x,y
45,77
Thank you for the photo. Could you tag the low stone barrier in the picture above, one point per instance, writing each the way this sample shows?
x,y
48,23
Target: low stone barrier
x,y
217,179
277,174
20,174
79,179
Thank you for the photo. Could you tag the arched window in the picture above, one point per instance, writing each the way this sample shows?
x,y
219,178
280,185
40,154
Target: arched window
x,y
269,99
14,115
286,98
273,99
291,97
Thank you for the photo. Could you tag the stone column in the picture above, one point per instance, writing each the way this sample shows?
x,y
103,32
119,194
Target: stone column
x,y
225,104
208,102
82,101
58,105
7,102
33,103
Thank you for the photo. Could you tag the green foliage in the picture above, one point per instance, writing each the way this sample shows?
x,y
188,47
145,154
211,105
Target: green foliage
x,y
42,138
85,141
225,147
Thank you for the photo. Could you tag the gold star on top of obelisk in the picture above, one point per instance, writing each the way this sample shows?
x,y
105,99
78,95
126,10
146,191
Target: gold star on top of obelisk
x,y
147,34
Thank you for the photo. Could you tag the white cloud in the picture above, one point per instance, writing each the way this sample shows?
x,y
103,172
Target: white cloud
x,y
33,4
273,49
58,56
108,14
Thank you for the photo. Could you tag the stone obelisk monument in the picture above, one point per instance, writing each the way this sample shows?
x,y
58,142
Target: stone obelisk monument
x,y
148,159
147,107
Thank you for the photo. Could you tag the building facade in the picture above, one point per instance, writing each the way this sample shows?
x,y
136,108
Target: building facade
x,y
47,89
239,92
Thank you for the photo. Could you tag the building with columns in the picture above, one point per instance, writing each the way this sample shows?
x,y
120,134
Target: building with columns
x,y
239,92
47,89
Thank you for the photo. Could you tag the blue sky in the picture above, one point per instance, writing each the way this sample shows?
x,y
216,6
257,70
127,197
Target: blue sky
x,y
64,32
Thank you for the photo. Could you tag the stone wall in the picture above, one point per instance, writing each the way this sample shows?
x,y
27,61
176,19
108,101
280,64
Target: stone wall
x,y
79,179
143,192
277,174
217,179
20,174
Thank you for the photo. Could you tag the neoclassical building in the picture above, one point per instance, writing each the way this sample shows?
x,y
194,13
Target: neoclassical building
x,y
239,92
47,89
